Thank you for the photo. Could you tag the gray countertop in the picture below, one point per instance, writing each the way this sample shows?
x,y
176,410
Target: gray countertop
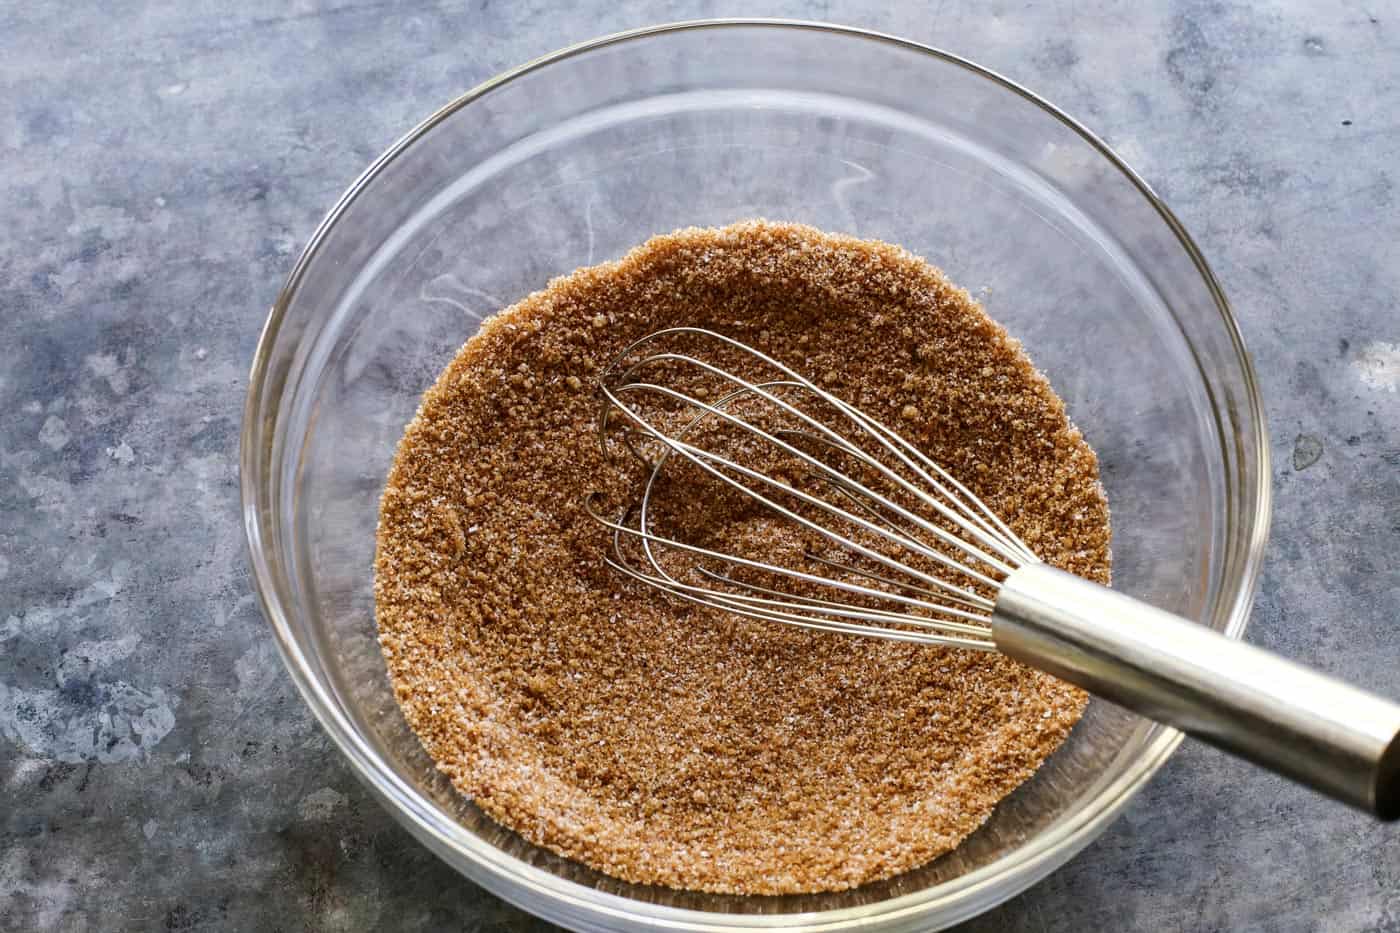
x,y
162,164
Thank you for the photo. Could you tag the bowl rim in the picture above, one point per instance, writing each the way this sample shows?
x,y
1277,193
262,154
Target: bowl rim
x,y
569,901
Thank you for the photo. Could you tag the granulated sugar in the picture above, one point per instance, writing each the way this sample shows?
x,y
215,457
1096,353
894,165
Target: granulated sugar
x,y
671,744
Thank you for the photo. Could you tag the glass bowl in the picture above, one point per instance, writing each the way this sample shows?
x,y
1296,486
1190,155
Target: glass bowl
x,y
573,159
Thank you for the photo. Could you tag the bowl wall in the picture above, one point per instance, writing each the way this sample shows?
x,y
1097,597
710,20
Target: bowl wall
x,y
573,160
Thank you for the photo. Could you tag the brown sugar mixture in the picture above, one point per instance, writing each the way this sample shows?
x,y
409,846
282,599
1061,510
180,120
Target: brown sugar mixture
x,y
672,744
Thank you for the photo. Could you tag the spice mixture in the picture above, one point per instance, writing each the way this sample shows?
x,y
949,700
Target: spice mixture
x,y
671,744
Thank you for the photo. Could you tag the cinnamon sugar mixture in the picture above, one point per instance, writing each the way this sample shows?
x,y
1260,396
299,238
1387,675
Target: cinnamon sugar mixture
x,y
670,744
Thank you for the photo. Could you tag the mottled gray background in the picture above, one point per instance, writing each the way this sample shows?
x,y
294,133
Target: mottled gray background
x,y
160,166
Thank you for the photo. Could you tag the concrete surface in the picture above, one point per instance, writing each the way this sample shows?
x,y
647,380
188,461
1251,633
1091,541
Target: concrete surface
x,y
164,162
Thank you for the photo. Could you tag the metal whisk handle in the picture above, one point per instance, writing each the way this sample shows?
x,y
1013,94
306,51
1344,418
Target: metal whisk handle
x,y
1304,725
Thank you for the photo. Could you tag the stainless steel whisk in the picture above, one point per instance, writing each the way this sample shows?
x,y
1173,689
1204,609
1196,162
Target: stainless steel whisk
x,y
907,552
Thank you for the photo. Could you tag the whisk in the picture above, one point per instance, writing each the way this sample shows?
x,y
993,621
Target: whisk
x,y
863,534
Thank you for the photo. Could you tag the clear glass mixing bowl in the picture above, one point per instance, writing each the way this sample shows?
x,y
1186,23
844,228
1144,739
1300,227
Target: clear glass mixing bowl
x,y
576,157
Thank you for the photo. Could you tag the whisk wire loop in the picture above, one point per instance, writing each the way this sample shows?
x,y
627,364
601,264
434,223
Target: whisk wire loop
x,y
938,520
